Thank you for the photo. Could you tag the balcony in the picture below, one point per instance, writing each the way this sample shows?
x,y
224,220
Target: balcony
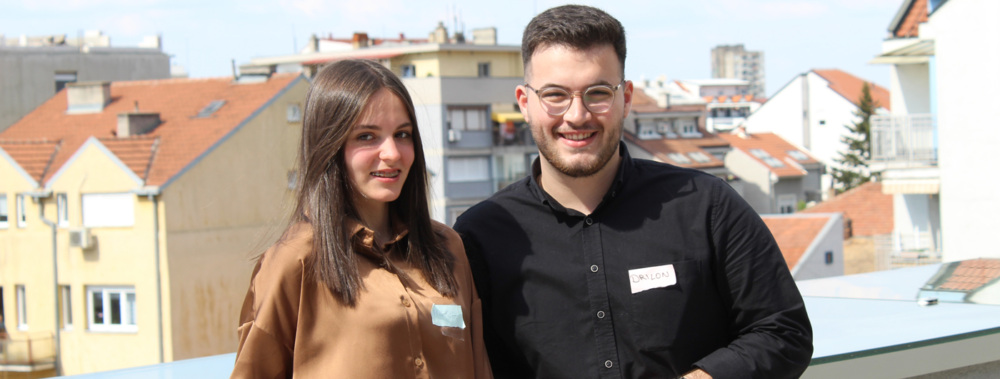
x,y
898,250
30,353
903,141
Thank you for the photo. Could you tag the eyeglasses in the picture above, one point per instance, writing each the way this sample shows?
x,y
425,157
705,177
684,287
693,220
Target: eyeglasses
x,y
597,99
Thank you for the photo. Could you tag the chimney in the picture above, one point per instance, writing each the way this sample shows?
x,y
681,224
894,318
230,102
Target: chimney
x,y
359,40
439,35
87,97
137,123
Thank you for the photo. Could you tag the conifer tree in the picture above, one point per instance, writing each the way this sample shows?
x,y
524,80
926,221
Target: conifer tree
x,y
854,162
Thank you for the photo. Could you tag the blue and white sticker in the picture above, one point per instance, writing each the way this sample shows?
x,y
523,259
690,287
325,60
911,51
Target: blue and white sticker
x,y
447,316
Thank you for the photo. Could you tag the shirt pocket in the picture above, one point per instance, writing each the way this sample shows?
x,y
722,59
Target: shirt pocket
x,y
659,317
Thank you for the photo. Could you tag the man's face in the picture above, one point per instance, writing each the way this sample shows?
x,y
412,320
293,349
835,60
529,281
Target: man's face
x,y
578,143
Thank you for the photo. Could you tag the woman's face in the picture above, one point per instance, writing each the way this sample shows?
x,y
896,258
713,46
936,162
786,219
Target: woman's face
x,y
379,152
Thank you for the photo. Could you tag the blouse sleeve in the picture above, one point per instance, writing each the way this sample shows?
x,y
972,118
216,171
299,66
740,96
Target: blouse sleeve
x,y
269,316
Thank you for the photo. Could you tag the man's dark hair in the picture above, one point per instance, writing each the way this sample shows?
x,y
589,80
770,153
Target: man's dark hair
x,y
578,26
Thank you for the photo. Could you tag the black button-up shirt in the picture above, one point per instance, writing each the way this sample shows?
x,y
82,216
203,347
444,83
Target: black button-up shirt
x,y
565,294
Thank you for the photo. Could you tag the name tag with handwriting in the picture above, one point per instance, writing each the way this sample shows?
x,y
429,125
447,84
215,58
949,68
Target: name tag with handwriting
x,y
648,278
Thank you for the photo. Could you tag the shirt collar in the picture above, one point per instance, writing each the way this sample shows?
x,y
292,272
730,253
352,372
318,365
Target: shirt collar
x,y
624,168
364,237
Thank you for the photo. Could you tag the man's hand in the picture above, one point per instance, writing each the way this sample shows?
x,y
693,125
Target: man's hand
x,y
697,374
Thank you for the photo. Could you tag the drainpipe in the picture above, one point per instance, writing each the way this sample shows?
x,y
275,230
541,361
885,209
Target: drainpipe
x,y
151,193
55,276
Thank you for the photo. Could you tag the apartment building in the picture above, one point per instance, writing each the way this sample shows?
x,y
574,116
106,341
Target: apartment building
x,y
475,139
130,213
34,68
735,62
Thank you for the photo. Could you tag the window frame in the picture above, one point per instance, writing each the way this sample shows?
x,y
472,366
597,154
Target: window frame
x,y
486,177
105,326
21,301
483,69
65,307
62,209
4,212
454,124
21,210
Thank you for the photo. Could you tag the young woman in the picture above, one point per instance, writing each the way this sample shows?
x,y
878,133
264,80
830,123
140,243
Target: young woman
x,y
362,284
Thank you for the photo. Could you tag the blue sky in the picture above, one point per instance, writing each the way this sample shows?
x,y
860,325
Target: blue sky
x,y
672,38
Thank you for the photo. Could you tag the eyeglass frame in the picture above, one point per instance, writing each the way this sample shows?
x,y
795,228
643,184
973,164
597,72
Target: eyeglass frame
x,y
614,90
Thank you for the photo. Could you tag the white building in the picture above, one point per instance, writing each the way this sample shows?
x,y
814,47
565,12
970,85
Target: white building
x,y
930,151
728,102
811,112
734,62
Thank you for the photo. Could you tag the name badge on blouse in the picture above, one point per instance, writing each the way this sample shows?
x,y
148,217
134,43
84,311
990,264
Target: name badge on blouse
x,y
643,279
448,316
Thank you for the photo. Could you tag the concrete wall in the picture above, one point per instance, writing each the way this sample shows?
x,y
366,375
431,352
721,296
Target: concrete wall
x,y
756,178
781,114
911,89
221,213
966,76
461,63
123,257
27,74
813,264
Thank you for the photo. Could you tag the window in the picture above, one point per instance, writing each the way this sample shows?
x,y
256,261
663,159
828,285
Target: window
x,y
468,169
484,69
699,157
767,158
62,209
65,308
679,158
409,71
828,258
468,118
797,155
108,209
111,309
210,109
63,78
3,211
22,307
294,113
22,214
786,203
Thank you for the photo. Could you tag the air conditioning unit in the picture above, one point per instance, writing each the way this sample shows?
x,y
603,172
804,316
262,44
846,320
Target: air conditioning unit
x,y
80,237
454,135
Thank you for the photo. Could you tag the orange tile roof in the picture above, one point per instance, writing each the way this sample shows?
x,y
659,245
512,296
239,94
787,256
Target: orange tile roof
x,y
661,148
910,25
868,210
728,99
643,103
774,145
795,233
178,140
34,156
849,86
972,274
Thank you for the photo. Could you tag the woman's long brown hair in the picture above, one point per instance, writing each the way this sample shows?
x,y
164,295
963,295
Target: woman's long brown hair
x,y
334,104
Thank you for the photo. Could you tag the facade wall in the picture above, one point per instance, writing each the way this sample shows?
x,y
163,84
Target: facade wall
x,y
226,209
460,63
911,89
27,74
781,114
813,264
123,257
756,188
966,75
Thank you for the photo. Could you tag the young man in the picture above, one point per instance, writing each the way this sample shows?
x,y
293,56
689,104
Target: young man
x,y
600,265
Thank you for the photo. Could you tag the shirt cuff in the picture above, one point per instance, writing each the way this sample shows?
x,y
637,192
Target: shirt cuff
x,y
724,364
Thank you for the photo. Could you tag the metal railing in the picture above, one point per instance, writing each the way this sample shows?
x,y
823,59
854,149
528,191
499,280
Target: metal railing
x,y
32,351
910,139
898,250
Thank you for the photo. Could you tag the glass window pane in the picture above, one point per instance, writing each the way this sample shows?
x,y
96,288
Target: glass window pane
x,y
476,119
98,304
116,308
457,119
130,308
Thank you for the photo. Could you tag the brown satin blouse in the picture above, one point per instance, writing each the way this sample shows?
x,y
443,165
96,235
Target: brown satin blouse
x,y
292,326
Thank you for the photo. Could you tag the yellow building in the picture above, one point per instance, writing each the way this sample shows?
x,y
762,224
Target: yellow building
x,y
130,213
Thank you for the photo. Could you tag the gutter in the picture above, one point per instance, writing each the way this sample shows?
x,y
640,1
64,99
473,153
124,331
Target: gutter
x,y
38,196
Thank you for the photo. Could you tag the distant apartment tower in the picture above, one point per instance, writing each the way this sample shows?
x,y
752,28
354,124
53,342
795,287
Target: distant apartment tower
x,y
34,68
734,62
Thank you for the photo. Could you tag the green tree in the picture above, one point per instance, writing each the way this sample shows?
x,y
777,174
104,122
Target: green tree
x,y
854,162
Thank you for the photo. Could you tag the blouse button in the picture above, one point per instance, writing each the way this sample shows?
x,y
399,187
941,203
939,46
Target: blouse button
x,y
404,300
420,362
593,268
608,363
